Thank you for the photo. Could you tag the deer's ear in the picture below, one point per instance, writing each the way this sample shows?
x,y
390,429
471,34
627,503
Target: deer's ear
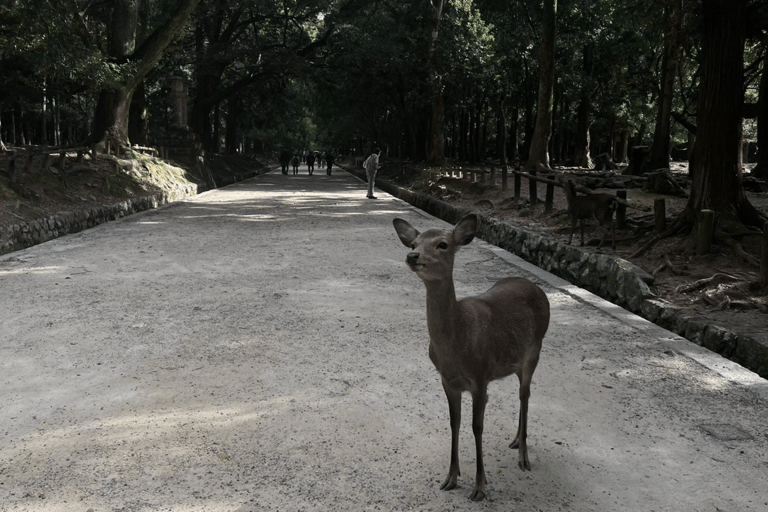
x,y
465,229
405,231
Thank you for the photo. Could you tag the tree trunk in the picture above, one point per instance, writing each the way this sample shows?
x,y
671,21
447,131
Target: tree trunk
x,y
111,117
501,132
761,169
138,121
436,152
581,157
538,157
716,164
436,140
658,156
233,109
113,109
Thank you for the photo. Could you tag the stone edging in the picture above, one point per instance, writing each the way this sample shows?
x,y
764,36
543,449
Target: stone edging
x,y
27,234
605,275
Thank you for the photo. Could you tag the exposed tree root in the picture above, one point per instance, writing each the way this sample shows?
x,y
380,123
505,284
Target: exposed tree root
x,y
701,283
675,228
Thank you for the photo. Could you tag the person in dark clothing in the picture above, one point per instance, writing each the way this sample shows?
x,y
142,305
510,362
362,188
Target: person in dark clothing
x,y
311,162
329,161
285,160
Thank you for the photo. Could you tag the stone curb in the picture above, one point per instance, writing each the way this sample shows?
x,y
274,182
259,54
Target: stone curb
x,y
26,234
605,275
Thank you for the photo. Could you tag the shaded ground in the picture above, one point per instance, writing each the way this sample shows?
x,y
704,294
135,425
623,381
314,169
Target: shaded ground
x,y
720,286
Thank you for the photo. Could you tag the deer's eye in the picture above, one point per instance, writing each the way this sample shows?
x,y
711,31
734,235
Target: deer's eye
x,y
442,246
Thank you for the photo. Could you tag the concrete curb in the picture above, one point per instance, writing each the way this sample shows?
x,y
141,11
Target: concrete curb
x,y
609,277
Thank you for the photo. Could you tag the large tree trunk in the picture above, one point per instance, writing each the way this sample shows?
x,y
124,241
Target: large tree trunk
x,y
658,156
716,164
113,109
436,140
138,120
233,109
581,157
538,157
112,113
761,169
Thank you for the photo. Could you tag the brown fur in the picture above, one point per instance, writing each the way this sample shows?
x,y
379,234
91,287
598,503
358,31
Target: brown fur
x,y
478,339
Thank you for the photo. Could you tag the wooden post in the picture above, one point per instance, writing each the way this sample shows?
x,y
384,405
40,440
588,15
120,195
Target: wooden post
x,y
764,257
532,190
706,231
659,210
492,177
550,199
62,160
621,212
517,191
80,156
504,177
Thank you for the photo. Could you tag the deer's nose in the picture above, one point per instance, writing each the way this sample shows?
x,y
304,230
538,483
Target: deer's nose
x,y
412,258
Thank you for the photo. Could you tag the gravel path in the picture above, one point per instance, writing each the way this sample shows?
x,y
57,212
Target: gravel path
x,y
264,347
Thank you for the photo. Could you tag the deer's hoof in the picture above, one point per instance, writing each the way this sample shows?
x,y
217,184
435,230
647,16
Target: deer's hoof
x,y
524,465
477,495
448,485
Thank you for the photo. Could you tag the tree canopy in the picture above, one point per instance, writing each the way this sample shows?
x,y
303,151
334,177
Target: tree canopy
x,y
456,79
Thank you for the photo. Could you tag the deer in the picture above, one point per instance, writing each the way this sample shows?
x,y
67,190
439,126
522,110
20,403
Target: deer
x,y
598,206
476,340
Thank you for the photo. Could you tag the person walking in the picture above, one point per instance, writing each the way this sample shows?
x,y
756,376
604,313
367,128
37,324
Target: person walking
x,y
371,165
311,162
329,161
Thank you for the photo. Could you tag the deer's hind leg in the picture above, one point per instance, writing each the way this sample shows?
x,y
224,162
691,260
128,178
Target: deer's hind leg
x,y
520,441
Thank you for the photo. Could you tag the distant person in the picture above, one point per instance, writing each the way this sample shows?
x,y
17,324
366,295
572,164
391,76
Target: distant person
x,y
329,161
371,165
296,163
311,162
285,160
321,159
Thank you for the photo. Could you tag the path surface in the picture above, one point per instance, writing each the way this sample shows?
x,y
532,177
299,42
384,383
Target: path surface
x,y
264,347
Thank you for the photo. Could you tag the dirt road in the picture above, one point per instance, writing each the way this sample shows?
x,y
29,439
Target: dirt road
x,y
264,347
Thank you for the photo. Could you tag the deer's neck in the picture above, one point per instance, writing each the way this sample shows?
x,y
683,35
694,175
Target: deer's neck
x,y
442,309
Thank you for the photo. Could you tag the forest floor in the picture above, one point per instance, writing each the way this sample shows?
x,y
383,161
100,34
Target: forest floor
x,y
720,286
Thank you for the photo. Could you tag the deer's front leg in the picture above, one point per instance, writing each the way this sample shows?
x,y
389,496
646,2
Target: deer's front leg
x,y
479,399
454,410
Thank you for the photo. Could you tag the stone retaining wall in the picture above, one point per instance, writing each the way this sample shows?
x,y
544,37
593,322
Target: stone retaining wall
x,y
605,275
19,236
